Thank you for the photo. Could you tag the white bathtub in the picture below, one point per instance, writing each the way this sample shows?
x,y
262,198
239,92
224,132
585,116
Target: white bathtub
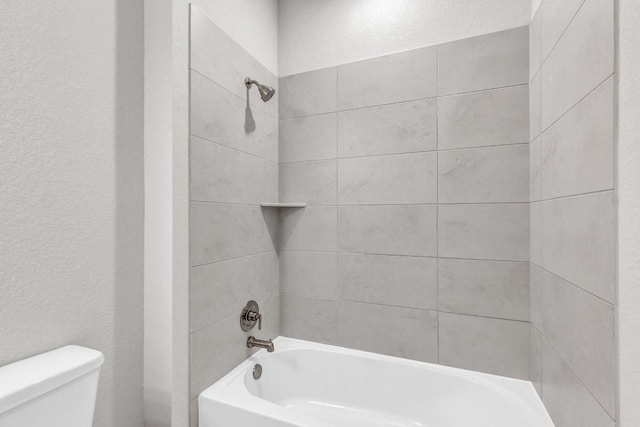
x,y
315,385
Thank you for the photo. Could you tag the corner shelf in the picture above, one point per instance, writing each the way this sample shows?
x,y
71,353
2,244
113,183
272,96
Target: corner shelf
x,y
283,205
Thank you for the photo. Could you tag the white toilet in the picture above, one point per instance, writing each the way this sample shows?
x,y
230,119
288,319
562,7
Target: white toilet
x,y
54,389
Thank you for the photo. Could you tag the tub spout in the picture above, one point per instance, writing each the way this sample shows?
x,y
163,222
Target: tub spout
x,y
255,342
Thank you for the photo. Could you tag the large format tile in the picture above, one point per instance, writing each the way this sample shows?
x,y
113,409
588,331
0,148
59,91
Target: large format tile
x,y
312,182
304,94
555,17
309,229
494,346
577,151
387,129
208,363
535,296
396,331
211,49
535,107
393,179
582,59
311,274
309,319
535,232
577,241
535,365
484,288
494,232
391,280
392,230
222,174
534,171
567,400
484,62
582,328
219,290
399,77
494,117
482,175
220,116
220,232
308,138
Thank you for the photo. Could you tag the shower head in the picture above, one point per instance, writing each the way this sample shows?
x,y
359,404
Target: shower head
x,y
266,92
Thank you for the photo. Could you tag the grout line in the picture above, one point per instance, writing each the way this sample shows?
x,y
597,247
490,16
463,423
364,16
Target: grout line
x,y
244,100
226,260
435,98
572,196
232,148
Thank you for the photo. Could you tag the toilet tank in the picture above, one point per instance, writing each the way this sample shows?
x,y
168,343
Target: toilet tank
x,y
54,389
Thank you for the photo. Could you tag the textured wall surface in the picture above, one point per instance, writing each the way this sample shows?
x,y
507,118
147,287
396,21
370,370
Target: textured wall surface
x,y
629,212
415,242
573,290
71,189
315,34
233,168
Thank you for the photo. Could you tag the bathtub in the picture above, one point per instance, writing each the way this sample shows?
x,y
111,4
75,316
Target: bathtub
x,y
315,385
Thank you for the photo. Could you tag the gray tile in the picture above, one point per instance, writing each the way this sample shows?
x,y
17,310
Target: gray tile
x,y
308,138
535,233
193,413
221,232
396,331
536,360
535,42
220,116
388,129
494,117
309,319
568,402
484,288
304,94
211,49
219,290
482,175
494,60
399,77
208,363
535,107
582,59
493,232
311,274
494,346
393,179
578,241
577,151
312,182
534,171
309,229
392,230
535,296
582,329
555,17
222,174
390,280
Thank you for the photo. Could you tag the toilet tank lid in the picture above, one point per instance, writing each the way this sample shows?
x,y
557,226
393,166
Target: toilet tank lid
x,y
27,379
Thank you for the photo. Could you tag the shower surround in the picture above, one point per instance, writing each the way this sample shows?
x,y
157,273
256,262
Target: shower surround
x,y
459,206
415,168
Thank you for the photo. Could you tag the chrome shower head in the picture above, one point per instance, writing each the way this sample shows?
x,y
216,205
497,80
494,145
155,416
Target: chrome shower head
x,y
266,92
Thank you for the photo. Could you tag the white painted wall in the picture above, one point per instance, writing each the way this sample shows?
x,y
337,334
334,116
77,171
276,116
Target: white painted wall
x,y
253,24
71,182
316,34
629,212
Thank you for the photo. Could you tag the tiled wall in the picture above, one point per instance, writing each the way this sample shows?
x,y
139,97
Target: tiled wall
x,y
572,211
234,167
415,167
